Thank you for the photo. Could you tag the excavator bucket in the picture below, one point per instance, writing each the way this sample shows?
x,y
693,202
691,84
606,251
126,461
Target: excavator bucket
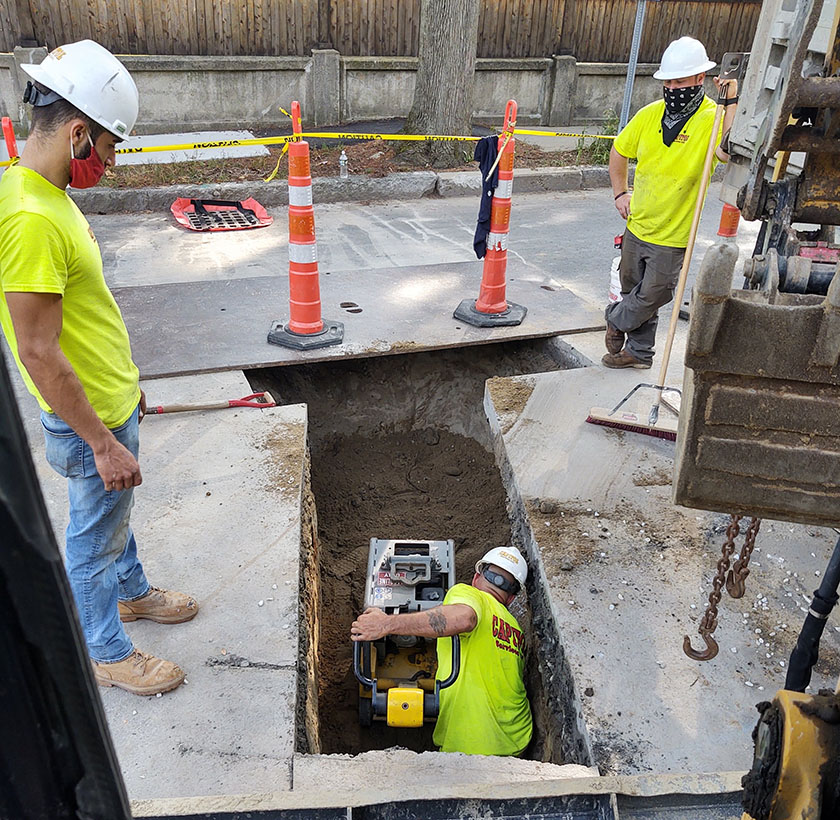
x,y
759,429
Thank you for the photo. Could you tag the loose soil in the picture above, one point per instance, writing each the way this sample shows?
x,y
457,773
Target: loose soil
x,y
423,484
375,158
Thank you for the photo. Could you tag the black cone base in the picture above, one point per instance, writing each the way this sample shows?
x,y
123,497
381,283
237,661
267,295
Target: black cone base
x,y
332,334
466,312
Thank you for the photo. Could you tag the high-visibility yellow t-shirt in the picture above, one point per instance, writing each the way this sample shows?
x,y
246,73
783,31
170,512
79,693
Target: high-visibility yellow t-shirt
x,y
47,246
486,710
667,176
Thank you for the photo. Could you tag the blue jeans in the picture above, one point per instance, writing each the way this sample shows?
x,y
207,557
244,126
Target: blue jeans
x,y
101,554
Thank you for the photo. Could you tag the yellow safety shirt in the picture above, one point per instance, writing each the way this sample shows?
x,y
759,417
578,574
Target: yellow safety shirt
x,y
667,176
486,710
47,246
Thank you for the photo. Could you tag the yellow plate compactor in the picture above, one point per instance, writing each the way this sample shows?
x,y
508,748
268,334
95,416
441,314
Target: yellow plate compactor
x,y
396,674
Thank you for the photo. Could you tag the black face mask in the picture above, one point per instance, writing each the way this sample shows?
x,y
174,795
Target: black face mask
x,y
678,99
680,104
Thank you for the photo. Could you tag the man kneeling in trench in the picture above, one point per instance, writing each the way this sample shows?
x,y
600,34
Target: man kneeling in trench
x,y
486,710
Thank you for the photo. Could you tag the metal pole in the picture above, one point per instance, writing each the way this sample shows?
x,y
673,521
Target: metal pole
x,y
631,66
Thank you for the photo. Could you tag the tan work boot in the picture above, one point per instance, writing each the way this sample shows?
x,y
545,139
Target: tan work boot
x,y
624,359
161,605
140,674
613,339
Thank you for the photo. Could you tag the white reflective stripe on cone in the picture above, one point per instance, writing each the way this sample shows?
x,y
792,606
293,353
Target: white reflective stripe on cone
x,y
497,241
504,189
300,195
303,254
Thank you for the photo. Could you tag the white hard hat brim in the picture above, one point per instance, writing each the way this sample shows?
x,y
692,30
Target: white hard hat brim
x,y
678,75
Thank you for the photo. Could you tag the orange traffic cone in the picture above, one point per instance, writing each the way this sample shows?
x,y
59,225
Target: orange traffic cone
x,y
491,309
9,136
730,216
305,329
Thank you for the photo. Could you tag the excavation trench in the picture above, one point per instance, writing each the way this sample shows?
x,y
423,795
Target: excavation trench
x,y
400,448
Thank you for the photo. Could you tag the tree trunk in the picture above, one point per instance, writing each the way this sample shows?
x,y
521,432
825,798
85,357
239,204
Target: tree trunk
x,y
443,90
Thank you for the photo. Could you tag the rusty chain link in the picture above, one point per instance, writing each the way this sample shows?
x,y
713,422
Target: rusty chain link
x,y
737,577
708,623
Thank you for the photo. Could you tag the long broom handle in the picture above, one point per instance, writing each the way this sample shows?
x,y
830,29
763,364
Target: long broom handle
x,y
692,236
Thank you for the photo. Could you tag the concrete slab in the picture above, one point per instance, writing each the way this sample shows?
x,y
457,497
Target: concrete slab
x,y
190,137
354,774
218,515
191,328
629,574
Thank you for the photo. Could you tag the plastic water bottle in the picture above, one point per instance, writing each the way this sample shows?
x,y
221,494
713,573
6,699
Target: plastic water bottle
x,y
615,278
342,165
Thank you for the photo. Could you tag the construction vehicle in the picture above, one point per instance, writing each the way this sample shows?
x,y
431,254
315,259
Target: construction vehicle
x,y
759,430
396,674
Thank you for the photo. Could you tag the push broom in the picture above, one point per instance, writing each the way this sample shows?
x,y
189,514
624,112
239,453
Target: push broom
x,y
636,422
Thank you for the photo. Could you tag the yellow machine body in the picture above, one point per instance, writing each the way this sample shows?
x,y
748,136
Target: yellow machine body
x,y
405,707
810,750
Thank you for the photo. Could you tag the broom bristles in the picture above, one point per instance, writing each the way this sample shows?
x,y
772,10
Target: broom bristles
x,y
656,432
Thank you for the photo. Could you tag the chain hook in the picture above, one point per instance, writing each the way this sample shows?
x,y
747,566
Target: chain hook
x,y
736,579
704,655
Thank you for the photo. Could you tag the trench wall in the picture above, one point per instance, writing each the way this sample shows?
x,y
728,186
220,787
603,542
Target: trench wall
x,y
566,737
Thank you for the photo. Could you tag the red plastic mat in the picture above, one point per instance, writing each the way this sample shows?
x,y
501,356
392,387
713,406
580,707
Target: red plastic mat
x,y
220,214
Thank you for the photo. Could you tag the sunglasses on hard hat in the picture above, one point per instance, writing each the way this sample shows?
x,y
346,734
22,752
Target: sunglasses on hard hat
x,y
499,580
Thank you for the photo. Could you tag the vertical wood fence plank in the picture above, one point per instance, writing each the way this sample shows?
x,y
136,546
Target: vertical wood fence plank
x,y
590,30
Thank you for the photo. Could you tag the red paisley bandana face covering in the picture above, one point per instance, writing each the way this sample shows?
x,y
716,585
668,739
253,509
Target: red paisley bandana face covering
x,y
85,173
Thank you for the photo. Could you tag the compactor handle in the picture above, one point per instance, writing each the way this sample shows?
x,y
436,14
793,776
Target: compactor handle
x,y
456,664
358,671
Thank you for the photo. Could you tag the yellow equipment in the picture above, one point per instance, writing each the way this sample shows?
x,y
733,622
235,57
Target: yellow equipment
x,y
397,674
796,769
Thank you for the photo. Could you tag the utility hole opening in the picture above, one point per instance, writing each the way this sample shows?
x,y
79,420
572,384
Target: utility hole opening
x,y
400,448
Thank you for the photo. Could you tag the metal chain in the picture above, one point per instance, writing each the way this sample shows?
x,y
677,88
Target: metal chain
x,y
737,577
708,623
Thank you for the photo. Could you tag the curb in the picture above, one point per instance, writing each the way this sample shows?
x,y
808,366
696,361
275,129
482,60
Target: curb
x,y
405,185
402,186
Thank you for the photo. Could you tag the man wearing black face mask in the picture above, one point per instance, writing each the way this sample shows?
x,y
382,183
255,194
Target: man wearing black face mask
x,y
668,139
71,346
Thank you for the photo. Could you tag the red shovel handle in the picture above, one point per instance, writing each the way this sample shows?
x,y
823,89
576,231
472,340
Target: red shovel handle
x,y
254,400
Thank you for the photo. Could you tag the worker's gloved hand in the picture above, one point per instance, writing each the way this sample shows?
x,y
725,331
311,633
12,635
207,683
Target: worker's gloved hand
x,y
371,625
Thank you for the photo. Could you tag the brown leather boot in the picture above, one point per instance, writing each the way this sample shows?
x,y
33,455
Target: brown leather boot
x,y
614,339
140,674
624,359
161,605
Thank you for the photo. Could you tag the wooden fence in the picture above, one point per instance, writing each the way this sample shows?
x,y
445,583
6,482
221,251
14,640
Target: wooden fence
x,y
590,30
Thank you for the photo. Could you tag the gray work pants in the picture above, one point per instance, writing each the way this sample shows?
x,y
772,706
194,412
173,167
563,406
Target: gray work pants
x,y
649,275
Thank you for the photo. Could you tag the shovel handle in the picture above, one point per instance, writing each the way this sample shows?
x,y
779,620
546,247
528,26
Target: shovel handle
x,y
263,400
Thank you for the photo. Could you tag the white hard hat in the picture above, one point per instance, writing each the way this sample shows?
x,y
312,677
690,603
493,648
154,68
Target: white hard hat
x,y
507,558
684,58
89,77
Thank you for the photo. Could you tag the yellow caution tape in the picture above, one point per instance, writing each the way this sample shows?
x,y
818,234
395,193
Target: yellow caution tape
x,y
564,134
277,167
199,146
337,135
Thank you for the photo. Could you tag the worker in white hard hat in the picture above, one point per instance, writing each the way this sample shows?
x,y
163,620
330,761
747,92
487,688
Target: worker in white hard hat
x,y
486,710
72,348
668,139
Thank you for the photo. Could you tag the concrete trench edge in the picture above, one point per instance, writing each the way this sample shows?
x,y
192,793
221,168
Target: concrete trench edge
x,y
645,785
325,190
